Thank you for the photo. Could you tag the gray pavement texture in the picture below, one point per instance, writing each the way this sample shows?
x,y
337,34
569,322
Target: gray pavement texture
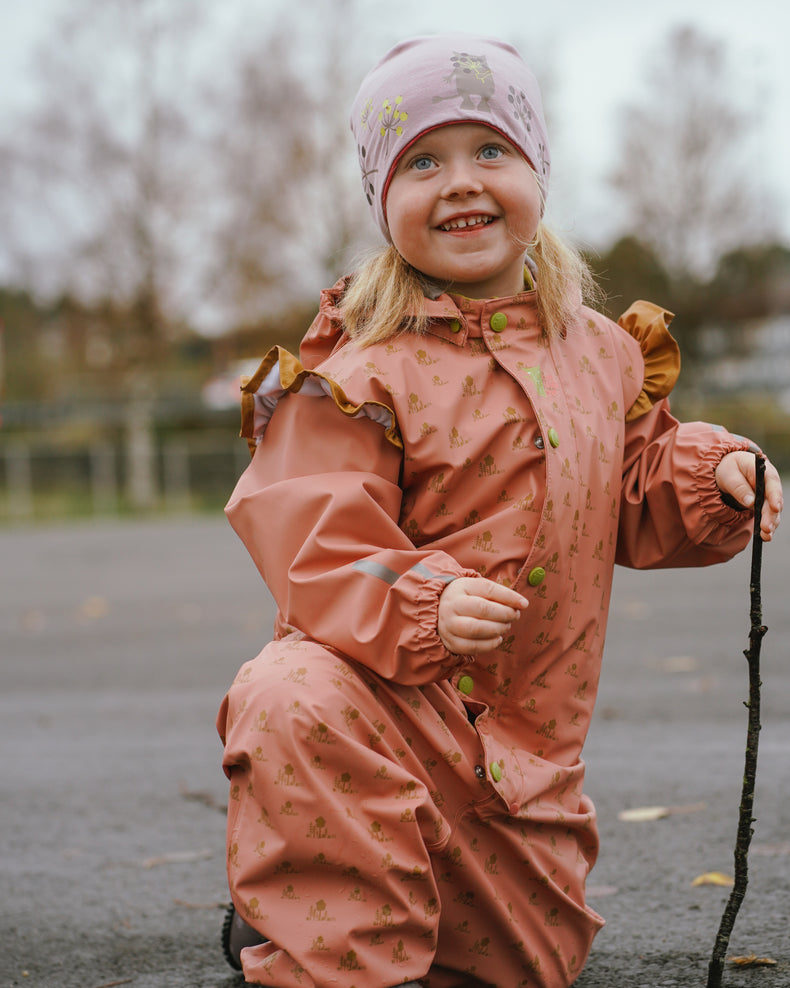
x,y
118,641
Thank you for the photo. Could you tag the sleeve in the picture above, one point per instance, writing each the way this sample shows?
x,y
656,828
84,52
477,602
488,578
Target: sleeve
x,y
318,510
672,512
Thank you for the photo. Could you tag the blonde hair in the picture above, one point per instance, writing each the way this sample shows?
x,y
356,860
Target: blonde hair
x,y
387,295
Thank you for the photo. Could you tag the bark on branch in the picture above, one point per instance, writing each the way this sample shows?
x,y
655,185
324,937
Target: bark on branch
x,y
745,819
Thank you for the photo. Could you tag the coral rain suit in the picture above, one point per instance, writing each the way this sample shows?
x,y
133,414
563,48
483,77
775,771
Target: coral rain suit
x,y
398,812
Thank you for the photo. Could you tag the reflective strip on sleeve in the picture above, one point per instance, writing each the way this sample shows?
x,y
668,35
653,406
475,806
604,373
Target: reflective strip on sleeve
x,y
389,576
376,569
424,571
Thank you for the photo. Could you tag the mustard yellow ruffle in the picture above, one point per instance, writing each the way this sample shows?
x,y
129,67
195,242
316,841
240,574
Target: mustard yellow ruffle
x,y
648,325
292,378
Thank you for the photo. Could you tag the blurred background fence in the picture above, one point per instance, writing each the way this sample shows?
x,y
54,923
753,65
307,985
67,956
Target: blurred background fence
x,y
140,464
134,465
175,188
41,481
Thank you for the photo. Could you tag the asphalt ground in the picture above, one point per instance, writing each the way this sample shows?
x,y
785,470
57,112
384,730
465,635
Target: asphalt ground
x,y
117,642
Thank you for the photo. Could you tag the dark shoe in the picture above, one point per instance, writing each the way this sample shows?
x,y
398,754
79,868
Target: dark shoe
x,y
236,934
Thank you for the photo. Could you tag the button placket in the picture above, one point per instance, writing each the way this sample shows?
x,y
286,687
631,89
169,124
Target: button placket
x,y
536,576
498,322
466,684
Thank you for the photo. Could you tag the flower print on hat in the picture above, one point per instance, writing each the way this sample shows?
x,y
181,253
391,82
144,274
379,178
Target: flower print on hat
x,y
429,82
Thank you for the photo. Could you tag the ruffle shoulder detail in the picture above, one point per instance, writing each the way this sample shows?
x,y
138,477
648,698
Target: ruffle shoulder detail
x,y
280,373
648,324
326,334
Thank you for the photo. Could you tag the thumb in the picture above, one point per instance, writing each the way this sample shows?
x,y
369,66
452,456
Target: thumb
x,y
735,478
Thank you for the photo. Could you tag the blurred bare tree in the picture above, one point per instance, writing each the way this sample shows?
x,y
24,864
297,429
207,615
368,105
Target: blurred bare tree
x,y
100,181
101,172
174,178
686,171
289,211
182,176
258,148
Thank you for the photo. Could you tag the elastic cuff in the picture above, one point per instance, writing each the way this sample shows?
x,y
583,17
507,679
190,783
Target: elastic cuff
x,y
730,501
720,508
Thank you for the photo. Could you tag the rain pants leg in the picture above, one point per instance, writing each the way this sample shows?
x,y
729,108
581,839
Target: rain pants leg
x,y
366,844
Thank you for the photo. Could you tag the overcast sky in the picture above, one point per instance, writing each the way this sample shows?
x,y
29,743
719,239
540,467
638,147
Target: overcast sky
x,y
597,53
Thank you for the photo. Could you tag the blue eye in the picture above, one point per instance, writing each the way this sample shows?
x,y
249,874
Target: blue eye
x,y
491,152
422,164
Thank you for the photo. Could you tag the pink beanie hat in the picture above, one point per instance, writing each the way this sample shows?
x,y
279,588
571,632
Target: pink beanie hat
x,y
429,82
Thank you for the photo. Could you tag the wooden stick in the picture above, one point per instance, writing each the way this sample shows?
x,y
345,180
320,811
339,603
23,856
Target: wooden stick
x,y
745,818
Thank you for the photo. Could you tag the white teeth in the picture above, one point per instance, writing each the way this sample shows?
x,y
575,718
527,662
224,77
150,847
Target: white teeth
x,y
460,224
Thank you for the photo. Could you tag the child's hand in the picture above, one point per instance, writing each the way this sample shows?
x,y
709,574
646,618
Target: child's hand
x,y
475,614
735,475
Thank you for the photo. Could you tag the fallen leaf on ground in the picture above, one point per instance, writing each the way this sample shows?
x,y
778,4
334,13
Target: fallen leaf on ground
x,y
33,620
679,663
752,960
199,905
599,891
770,849
641,814
177,857
202,796
702,684
93,608
714,878
636,608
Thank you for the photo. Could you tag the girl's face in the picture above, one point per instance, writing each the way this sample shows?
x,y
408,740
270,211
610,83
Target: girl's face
x,y
462,205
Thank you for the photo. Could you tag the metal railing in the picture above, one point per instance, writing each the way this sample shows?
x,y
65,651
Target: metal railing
x,y
182,472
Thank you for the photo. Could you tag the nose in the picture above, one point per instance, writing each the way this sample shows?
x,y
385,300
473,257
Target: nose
x,y
461,181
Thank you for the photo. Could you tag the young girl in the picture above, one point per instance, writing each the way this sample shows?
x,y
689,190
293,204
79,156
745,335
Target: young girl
x,y
441,487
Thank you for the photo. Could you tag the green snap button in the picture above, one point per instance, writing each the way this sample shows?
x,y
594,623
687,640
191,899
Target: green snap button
x,y
536,576
496,771
455,325
466,684
554,437
498,322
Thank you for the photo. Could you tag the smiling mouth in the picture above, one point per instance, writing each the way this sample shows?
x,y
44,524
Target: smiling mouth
x,y
464,222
